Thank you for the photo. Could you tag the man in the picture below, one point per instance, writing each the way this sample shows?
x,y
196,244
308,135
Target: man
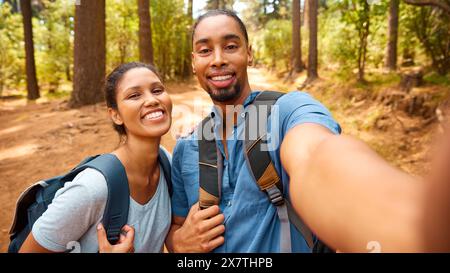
x,y
348,195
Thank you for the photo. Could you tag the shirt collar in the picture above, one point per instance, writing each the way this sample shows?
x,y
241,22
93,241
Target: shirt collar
x,y
216,112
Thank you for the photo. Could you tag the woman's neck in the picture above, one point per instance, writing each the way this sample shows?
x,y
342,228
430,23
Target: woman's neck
x,y
139,156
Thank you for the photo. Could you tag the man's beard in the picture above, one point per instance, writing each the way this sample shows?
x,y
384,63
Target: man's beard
x,y
224,95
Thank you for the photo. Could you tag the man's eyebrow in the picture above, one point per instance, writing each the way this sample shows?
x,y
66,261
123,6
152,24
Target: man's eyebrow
x,y
231,37
226,38
202,41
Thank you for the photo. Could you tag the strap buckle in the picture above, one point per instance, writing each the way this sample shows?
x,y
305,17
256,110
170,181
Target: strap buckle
x,y
275,195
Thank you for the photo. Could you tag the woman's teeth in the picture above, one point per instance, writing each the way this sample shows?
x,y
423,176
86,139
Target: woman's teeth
x,y
153,115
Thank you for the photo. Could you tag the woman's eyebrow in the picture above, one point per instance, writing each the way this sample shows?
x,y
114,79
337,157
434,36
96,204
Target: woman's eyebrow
x,y
133,88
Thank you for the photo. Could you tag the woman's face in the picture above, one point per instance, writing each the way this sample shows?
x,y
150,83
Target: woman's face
x,y
144,106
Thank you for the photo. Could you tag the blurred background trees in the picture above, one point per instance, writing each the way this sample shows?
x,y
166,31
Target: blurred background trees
x,y
351,38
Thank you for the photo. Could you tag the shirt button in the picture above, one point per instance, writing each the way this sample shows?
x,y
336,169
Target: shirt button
x,y
229,204
243,115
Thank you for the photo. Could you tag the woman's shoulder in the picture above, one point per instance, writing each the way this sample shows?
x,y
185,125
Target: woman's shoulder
x,y
89,182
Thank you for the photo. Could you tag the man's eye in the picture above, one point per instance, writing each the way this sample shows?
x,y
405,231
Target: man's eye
x,y
204,51
231,47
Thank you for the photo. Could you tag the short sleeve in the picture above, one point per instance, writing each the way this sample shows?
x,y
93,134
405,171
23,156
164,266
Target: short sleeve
x,y
75,208
299,107
180,205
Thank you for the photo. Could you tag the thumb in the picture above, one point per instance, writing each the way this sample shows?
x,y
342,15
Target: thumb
x,y
103,243
129,236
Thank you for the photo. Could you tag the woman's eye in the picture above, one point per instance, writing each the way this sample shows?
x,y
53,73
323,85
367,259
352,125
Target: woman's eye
x,y
134,96
157,91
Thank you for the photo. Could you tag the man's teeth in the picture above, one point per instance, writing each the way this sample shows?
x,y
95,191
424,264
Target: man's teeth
x,y
221,78
153,115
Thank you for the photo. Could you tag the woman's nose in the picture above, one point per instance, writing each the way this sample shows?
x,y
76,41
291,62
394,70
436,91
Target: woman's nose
x,y
151,100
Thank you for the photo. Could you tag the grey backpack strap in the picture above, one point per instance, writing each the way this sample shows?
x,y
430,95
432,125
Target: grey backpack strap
x,y
210,166
266,176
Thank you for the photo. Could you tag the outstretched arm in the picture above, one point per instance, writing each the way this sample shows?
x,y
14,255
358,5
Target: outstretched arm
x,y
348,195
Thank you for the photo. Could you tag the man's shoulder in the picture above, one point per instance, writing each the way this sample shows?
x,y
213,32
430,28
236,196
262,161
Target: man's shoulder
x,y
185,142
294,97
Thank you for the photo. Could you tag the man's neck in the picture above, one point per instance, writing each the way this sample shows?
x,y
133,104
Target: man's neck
x,y
236,102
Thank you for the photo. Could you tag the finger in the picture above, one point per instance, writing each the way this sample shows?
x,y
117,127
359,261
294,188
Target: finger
x,y
121,238
103,244
208,212
215,232
216,242
193,210
213,222
129,237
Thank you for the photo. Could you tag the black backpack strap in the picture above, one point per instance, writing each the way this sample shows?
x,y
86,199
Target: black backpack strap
x,y
265,174
166,167
117,205
210,166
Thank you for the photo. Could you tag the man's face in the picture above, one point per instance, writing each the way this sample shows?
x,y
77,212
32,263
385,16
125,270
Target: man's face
x,y
220,58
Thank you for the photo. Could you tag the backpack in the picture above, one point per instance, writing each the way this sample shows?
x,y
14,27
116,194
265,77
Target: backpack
x,y
261,166
34,201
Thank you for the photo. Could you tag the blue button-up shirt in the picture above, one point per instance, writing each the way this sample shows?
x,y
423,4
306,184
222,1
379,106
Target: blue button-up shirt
x,y
251,221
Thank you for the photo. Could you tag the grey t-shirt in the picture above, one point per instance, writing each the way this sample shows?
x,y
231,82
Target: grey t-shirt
x,y
72,218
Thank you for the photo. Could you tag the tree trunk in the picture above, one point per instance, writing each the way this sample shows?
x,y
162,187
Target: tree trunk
x,y
391,49
296,58
312,54
306,14
89,53
145,32
363,34
187,58
32,85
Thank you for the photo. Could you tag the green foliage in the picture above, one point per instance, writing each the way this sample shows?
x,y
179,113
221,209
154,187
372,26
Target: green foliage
x,y
260,12
170,35
435,78
170,29
122,27
53,39
12,52
273,44
431,27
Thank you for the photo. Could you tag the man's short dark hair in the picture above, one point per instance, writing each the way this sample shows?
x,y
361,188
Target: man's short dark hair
x,y
216,12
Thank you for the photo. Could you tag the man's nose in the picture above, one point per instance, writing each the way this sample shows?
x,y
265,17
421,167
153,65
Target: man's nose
x,y
219,60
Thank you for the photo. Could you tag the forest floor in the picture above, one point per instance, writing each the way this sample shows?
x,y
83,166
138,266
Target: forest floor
x,y
46,138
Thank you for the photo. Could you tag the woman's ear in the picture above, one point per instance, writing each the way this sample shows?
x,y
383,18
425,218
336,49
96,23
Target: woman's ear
x,y
115,116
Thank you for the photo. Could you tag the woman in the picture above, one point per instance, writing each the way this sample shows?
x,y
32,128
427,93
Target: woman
x,y
140,109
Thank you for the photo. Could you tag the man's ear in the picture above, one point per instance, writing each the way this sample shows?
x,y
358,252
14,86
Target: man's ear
x,y
192,62
115,116
250,55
